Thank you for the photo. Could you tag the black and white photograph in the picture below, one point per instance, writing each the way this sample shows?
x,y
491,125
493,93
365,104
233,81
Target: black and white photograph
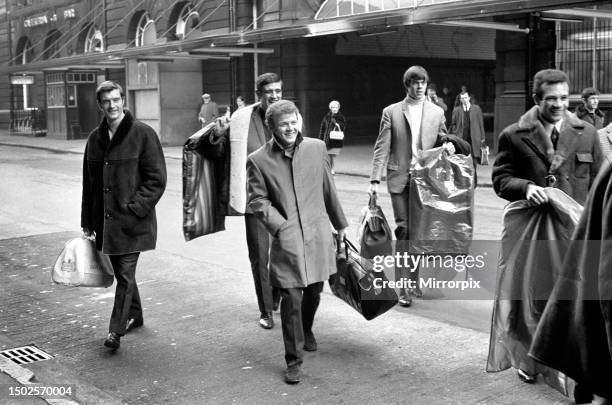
x,y
306,202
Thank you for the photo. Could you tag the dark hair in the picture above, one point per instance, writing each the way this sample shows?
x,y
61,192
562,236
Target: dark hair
x,y
280,107
547,76
107,86
432,86
588,92
415,73
265,79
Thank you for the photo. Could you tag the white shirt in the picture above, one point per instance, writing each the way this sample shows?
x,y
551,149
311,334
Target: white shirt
x,y
548,127
415,116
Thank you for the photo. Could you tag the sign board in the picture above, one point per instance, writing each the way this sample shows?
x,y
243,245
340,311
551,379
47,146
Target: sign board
x,y
24,79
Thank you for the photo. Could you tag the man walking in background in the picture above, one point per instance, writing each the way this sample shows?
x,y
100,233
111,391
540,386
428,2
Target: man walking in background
x,y
588,111
208,111
406,129
124,176
468,123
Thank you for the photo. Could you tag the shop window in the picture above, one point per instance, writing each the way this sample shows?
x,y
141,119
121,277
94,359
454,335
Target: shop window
x,y
56,96
54,78
80,77
584,52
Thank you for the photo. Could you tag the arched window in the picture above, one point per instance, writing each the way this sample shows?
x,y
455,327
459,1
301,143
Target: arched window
x,y
52,44
94,41
146,33
24,51
186,21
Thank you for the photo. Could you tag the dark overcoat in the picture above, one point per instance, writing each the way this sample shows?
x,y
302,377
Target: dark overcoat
x,y
123,179
596,118
477,131
525,155
574,334
296,199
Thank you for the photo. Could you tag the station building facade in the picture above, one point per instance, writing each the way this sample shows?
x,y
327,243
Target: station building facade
x,y
166,53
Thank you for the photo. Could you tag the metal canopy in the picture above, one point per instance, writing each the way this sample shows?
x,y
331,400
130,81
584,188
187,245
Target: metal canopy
x,y
196,48
226,45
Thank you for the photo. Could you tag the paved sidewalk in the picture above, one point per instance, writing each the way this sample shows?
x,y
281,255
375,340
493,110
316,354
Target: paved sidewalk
x,y
354,160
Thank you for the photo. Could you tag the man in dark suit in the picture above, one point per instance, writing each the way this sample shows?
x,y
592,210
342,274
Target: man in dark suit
x,y
291,191
124,176
247,125
468,123
406,128
548,146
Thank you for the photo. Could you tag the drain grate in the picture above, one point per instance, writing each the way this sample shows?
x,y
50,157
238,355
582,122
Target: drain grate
x,y
25,354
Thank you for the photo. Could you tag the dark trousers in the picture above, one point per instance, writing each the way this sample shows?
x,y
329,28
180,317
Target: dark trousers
x,y
258,243
475,161
401,208
127,300
298,309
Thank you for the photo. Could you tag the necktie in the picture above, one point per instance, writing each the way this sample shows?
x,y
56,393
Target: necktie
x,y
554,137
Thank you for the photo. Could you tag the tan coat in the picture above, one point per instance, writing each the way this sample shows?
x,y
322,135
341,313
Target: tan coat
x,y
296,199
393,147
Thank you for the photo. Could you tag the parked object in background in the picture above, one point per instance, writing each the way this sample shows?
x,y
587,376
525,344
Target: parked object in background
x,y
484,155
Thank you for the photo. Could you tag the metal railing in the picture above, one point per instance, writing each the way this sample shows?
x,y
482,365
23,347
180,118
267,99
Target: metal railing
x,y
28,122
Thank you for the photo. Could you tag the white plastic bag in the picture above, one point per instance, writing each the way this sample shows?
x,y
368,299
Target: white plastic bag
x,y
81,265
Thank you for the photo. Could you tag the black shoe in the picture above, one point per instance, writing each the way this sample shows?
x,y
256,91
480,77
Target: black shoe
x,y
276,304
113,341
416,292
293,374
310,343
266,321
525,376
405,300
132,324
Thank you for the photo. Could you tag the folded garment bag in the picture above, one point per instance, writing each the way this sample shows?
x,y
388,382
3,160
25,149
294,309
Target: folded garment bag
x,y
81,265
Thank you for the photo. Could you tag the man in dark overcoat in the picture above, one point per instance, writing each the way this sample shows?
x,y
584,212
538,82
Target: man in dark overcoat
x,y
124,176
588,110
548,147
468,123
291,191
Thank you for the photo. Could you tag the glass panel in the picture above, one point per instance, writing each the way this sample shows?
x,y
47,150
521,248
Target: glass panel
x,y
72,100
344,7
359,6
55,96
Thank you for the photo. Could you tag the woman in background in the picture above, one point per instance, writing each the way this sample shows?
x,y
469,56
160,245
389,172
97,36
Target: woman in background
x,y
333,121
